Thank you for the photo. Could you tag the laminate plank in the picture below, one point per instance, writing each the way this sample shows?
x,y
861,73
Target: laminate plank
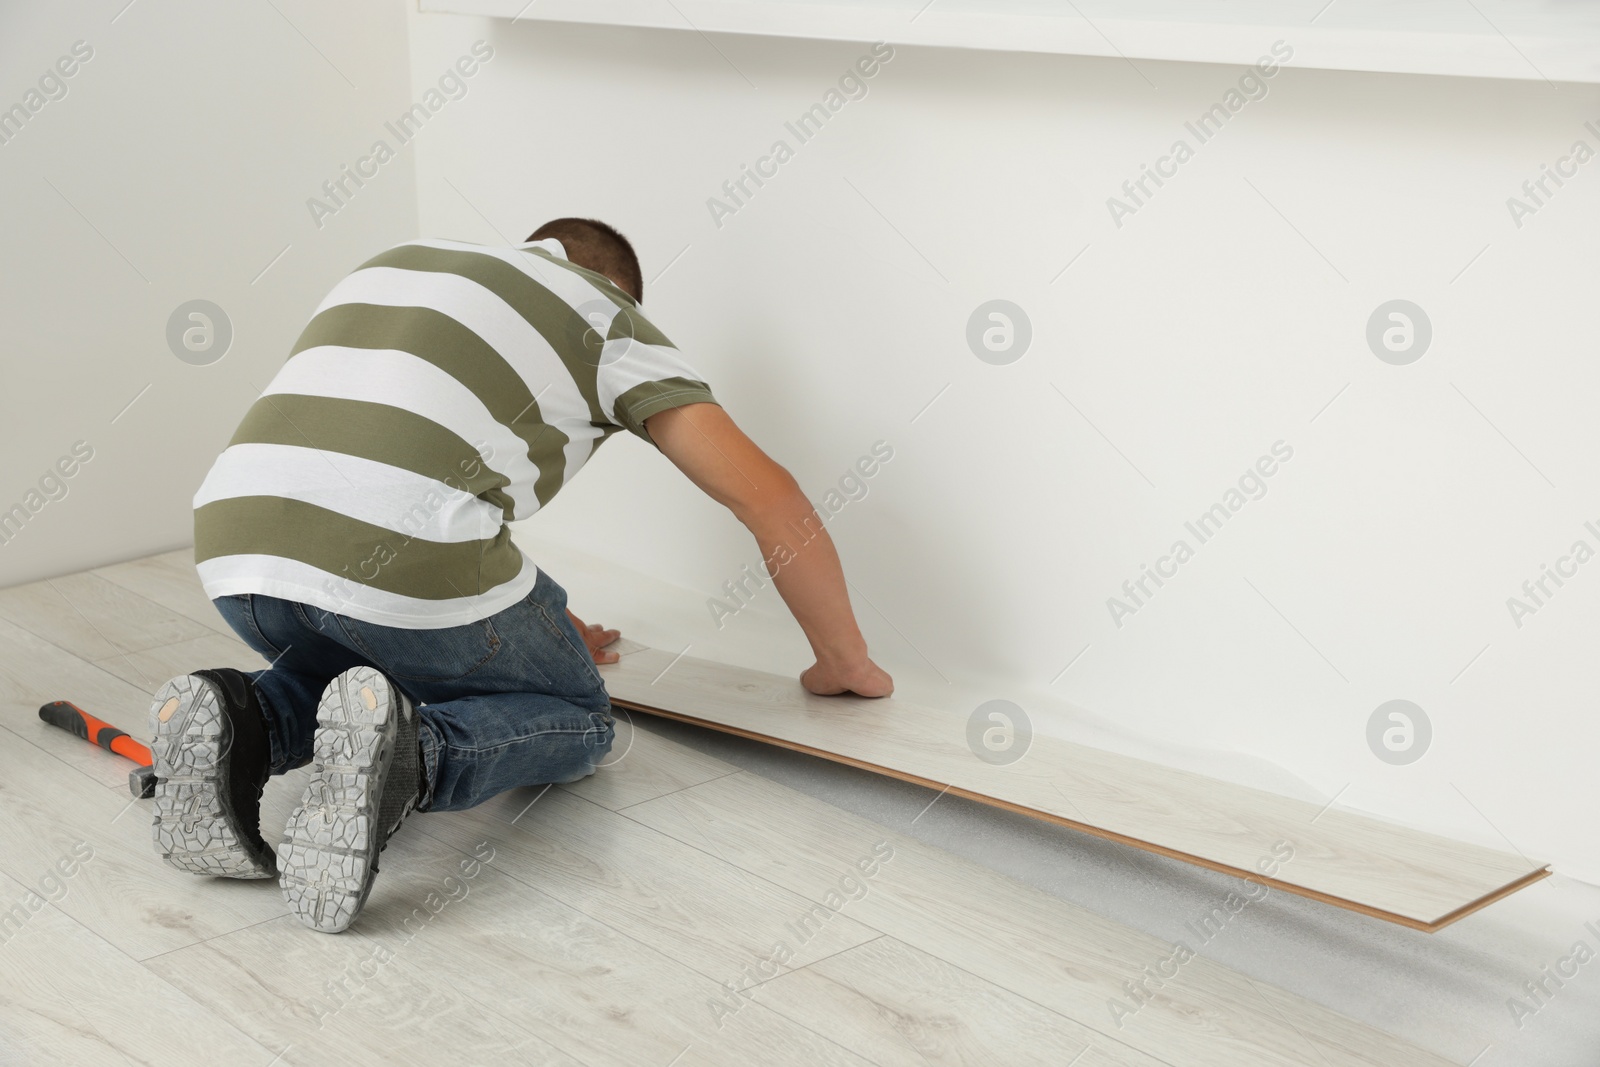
x,y
642,766
93,618
703,912
34,672
901,1007
1406,876
68,997
170,580
1055,954
150,668
123,892
345,999
758,1036
581,985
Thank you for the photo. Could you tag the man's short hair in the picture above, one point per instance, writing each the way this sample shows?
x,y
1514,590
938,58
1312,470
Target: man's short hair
x,y
593,244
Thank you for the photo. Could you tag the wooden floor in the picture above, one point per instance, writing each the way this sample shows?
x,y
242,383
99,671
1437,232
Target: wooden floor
x,y
1416,879
670,910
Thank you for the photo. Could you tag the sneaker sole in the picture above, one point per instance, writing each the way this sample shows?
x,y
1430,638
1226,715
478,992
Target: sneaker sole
x,y
329,854
195,828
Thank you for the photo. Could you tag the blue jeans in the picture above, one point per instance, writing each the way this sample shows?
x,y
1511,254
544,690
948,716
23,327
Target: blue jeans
x,y
511,700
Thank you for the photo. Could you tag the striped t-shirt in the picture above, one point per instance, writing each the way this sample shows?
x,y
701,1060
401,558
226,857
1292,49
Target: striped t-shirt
x,y
440,391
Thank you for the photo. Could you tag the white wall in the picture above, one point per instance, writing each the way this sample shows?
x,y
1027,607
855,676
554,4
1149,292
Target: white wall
x,y
1220,318
830,309
181,158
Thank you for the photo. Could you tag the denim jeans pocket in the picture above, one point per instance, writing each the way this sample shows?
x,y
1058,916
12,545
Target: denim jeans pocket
x,y
441,655
576,667
238,610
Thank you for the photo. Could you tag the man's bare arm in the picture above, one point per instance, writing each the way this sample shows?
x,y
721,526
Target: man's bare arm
x,y
703,442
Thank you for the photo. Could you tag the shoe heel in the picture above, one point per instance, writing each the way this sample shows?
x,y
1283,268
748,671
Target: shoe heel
x,y
328,859
192,827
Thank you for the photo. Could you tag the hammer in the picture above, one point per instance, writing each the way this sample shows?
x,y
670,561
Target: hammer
x,y
73,719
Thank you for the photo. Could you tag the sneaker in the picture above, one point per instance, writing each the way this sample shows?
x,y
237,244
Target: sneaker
x,y
366,773
211,761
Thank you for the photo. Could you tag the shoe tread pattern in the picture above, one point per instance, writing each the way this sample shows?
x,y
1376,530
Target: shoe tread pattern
x,y
330,850
194,827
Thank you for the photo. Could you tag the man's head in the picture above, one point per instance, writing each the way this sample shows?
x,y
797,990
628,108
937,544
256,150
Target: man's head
x,y
591,243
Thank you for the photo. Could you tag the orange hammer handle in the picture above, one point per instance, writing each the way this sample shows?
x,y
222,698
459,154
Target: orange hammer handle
x,y
75,720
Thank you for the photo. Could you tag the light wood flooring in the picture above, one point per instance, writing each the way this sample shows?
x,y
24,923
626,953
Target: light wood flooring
x,y
671,910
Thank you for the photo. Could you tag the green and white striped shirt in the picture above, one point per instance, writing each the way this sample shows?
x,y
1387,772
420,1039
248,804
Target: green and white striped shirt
x,y
440,391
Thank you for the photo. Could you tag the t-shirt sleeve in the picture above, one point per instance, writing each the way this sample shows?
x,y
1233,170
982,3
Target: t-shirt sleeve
x,y
642,374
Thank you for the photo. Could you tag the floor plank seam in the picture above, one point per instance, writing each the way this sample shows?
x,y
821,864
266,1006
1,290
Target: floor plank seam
x,y
624,936
176,611
599,919
87,663
207,940
75,770
1089,1046
425,977
1015,989
516,1024
877,934
807,966
122,651
544,892
1022,996
723,859
697,848
669,793
152,683
135,961
1100,1035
